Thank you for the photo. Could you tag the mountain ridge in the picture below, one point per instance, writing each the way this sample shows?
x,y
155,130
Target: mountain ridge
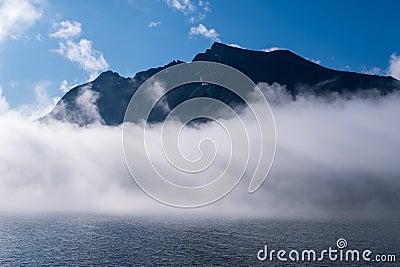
x,y
111,92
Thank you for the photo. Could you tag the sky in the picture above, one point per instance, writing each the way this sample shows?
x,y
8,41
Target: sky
x,y
46,47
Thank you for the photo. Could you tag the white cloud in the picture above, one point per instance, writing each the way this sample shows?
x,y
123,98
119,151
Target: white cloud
x,y
86,109
155,92
82,52
44,174
40,90
89,59
394,66
67,30
87,99
13,84
64,87
202,30
205,6
184,6
154,24
273,48
43,102
195,11
324,167
16,16
372,71
236,45
316,61
39,37
4,106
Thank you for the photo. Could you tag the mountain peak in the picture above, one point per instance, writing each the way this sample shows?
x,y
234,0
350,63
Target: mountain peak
x,y
109,74
284,67
218,47
220,52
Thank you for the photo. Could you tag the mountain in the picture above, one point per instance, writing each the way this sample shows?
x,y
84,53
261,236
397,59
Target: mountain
x,y
110,93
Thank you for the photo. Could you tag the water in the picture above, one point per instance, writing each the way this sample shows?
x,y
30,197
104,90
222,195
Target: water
x,y
133,241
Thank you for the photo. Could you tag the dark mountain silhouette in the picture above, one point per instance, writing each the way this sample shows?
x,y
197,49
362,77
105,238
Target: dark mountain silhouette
x,y
110,93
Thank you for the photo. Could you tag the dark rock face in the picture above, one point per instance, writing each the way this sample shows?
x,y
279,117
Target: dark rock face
x,y
111,93
286,68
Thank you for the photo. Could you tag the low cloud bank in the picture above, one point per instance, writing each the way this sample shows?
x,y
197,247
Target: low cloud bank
x,y
333,158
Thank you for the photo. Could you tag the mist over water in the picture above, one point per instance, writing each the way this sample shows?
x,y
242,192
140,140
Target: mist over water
x,y
336,157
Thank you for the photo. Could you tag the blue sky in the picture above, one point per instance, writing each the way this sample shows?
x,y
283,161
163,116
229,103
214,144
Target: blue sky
x,y
48,46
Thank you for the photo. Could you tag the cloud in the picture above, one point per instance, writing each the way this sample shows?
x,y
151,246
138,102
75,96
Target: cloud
x,y
86,108
67,30
153,24
334,158
64,87
39,37
16,16
270,49
88,58
13,84
156,92
194,10
47,177
394,66
185,6
43,102
205,5
202,30
372,71
4,106
316,61
84,111
82,52
40,90
236,45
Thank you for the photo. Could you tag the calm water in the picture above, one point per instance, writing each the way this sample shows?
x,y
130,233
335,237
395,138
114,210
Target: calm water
x,y
128,241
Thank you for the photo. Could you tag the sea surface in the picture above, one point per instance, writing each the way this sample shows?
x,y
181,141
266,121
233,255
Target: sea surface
x,y
145,241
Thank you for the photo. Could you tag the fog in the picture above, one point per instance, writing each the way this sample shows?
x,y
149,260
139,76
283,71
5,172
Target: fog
x,y
335,157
